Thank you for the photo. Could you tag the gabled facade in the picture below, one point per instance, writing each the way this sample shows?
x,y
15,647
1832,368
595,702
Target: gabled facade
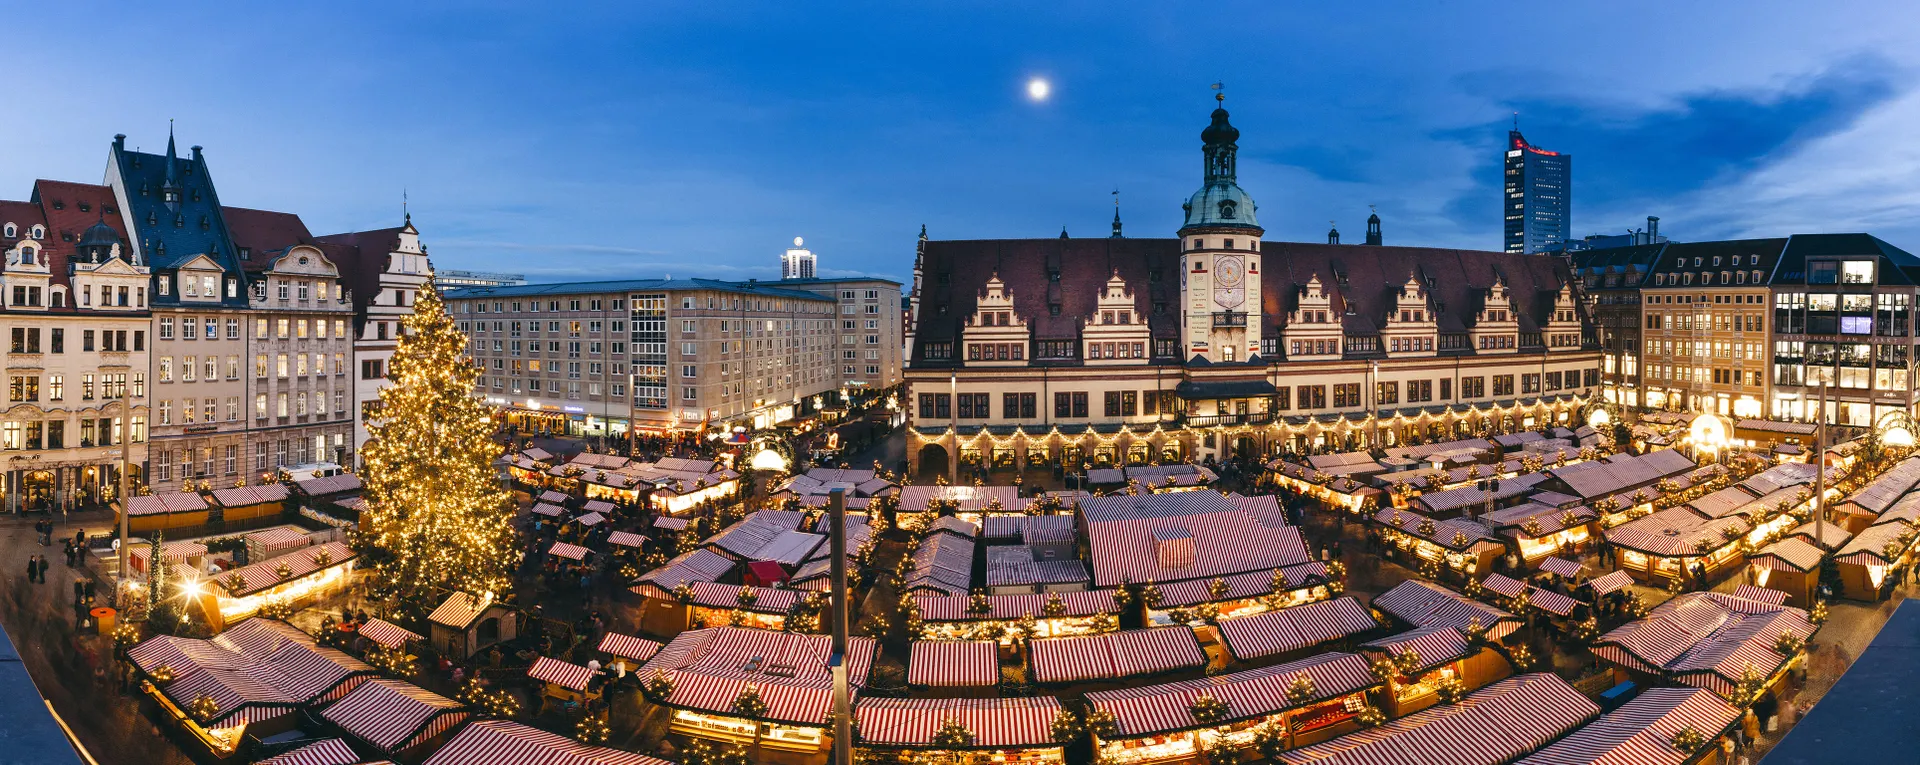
x,y
1224,342
389,268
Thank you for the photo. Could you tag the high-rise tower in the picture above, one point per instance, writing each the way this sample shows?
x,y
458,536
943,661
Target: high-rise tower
x,y
1539,196
797,262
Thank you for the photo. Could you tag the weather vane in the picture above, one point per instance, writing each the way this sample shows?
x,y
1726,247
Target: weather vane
x,y
1222,95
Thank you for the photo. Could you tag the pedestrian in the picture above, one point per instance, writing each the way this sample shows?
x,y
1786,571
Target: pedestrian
x,y
33,568
79,593
43,569
89,592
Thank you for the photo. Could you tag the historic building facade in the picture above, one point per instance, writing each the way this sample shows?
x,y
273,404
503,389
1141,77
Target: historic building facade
x,y
1099,351
1704,326
76,319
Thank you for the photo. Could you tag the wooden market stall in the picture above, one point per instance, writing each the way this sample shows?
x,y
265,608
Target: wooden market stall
x,y
1287,633
1791,566
299,578
1428,659
568,685
1014,731
395,718
1666,647
149,513
1642,731
625,653
1189,601
1668,544
493,742
242,503
1128,656
464,625
951,617
1493,726
954,667
1537,531
1866,560
1154,724
709,671
1419,604
1463,545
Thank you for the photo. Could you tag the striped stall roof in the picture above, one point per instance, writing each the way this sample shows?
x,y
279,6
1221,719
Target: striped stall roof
x,y
333,484
391,715
1789,554
1193,592
553,497
597,506
749,536
1424,604
1674,532
1444,532
1115,655
1154,709
459,610
265,575
1009,723
1434,645
255,671
628,647
943,564
565,550
561,673
548,509
166,502
710,667
626,539
174,552
937,608
1879,495
1562,566
766,600
1705,639
1869,547
1762,594
967,499
1503,585
496,742
701,565
591,519
1641,731
1553,602
958,663
242,496
278,536
1126,535
330,751
387,633
1290,629
1491,726
1618,580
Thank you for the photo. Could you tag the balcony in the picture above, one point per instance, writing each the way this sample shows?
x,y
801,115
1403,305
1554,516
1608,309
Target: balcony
x,y
1228,319
1211,420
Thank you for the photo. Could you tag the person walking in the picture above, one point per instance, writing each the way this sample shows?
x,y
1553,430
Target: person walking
x,y
43,570
33,568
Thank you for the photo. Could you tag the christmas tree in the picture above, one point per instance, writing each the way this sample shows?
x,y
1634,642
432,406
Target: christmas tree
x,y
434,518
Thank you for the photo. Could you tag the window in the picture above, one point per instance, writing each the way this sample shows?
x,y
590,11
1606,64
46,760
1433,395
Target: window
x,y
975,406
1346,395
935,406
1503,385
1387,392
1016,406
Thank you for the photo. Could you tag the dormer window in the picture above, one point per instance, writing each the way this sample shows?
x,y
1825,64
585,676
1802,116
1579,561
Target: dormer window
x,y
1227,207
166,284
39,231
170,195
11,231
246,253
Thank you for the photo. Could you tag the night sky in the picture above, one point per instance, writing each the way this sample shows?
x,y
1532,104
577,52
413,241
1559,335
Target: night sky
x,y
697,139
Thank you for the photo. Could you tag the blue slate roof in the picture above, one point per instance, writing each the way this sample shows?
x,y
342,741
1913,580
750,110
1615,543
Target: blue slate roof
x,y
1860,718
587,288
30,732
169,234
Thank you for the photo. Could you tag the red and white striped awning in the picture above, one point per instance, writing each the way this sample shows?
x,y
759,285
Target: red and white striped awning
x,y
1290,629
1762,594
597,506
1503,585
1492,726
552,510
565,550
1434,645
1116,655
626,539
964,663
942,608
1613,582
709,667
1562,566
1193,592
766,600
591,519
1705,639
1154,709
561,673
387,633
1006,723
1553,602
628,647
495,742
330,751
391,715
1641,731
553,497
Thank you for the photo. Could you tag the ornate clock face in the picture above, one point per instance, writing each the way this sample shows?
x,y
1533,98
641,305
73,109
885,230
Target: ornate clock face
x,y
1229,281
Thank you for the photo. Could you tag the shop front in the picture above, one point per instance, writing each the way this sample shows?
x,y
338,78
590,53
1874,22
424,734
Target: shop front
x,y
1306,701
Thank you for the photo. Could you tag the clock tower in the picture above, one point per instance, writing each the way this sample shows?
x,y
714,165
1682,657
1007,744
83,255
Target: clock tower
x,y
1220,256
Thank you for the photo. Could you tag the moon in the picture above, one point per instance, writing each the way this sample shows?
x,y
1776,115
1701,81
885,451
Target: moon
x,y
1038,89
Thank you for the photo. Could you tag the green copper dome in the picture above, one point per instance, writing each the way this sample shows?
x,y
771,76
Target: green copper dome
x,y
1220,202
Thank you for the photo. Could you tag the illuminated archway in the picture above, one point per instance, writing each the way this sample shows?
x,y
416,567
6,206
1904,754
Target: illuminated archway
x,y
1709,433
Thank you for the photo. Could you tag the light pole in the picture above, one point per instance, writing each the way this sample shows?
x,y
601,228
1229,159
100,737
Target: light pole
x,y
126,459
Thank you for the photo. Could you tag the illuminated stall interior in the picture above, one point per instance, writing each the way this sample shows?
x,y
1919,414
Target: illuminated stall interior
x,y
1667,544
710,669
1015,731
950,617
298,578
1155,724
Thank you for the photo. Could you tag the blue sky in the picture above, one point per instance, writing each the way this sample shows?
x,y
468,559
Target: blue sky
x,y
640,139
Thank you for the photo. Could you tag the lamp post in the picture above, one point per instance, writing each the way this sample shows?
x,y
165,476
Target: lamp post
x,y
126,460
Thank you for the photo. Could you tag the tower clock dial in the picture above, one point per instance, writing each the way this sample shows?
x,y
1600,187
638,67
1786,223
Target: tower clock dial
x,y
1229,281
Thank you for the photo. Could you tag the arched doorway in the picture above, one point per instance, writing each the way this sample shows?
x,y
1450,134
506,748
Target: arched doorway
x,y
36,489
933,460
1244,448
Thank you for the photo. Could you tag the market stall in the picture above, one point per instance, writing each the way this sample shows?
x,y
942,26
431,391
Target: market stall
x,y
1866,561
1459,544
708,672
1790,566
1429,659
1642,731
626,653
1284,633
244,503
569,685
1677,543
1116,656
1176,721
1726,644
149,513
492,742
1014,731
953,666
395,718
1493,726
953,617
298,578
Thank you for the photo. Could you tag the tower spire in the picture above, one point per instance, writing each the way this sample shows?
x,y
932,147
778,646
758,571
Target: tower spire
x,y
1116,213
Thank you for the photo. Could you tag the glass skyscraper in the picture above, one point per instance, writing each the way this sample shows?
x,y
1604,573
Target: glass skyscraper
x,y
1539,196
